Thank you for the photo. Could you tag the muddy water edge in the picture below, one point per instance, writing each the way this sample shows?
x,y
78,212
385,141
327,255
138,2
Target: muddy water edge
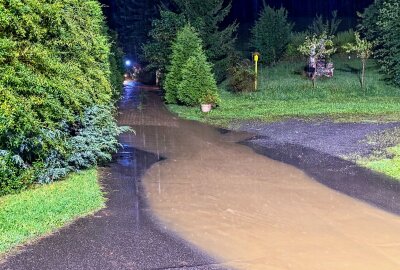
x,y
249,211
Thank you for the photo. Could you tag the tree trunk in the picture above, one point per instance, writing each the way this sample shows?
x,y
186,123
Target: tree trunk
x,y
363,74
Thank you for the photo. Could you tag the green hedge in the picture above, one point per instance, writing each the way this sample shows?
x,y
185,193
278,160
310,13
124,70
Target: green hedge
x,y
54,65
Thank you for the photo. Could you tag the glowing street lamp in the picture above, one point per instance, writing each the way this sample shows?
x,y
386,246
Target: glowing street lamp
x,y
128,63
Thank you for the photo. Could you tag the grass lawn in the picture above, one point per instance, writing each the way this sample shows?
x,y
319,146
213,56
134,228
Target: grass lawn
x,y
42,210
286,93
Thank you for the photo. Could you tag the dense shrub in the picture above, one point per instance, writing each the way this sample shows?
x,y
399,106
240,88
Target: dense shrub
x,y
55,63
241,77
14,174
271,33
296,39
187,43
95,139
343,38
368,25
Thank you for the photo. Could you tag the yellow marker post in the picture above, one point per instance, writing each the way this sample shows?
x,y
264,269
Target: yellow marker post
x,y
256,57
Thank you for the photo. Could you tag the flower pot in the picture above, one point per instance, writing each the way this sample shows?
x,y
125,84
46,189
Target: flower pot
x,y
206,107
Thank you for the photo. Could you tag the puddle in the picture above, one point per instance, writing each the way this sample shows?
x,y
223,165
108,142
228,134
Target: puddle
x,y
252,212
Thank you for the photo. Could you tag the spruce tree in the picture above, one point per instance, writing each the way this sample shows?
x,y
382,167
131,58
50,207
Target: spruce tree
x,y
381,22
158,51
198,84
206,17
271,33
187,43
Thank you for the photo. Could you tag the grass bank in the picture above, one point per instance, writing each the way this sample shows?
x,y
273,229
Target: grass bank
x,y
385,157
40,211
285,93
387,165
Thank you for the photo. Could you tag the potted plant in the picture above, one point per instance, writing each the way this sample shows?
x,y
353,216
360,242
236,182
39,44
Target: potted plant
x,y
207,100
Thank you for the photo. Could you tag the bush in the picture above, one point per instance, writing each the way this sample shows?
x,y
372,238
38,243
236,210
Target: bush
x,y
343,38
296,39
55,63
368,25
198,82
186,44
95,139
241,77
389,39
14,176
271,33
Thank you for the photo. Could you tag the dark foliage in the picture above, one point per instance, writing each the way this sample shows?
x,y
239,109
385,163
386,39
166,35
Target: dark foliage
x,y
241,77
207,18
271,34
381,23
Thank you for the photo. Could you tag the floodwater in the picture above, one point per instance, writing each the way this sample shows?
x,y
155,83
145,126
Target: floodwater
x,y
248,211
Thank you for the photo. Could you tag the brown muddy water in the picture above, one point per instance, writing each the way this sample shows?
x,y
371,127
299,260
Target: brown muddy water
x,y
251,212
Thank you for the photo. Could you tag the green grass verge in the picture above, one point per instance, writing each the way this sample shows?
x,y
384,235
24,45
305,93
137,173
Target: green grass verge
x,y
388,166
40,211
285,94
385,157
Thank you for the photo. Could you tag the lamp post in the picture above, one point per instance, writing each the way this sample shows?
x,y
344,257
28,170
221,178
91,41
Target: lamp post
x,y
256,57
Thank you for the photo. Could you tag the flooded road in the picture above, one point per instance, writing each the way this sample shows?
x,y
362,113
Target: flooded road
x,y
249,211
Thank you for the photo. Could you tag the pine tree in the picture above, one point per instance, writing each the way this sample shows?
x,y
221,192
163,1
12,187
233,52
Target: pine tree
x,y
198,84
187,43
381,22
206,17
158,51
271,33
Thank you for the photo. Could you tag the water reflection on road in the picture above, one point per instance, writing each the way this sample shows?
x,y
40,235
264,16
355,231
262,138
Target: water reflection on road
x,y
247,210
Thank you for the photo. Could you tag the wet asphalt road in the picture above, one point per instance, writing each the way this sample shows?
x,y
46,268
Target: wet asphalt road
x,y
335,139
124,235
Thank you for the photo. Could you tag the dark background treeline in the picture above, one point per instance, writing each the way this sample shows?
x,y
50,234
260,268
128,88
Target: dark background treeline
x,y
135,16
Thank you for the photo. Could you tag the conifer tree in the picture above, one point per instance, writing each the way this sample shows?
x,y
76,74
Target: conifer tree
x,y
158,51
198,84
187,43
381,22
206,17
271,33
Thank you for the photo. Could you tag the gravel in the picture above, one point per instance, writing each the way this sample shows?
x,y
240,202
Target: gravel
x,y
336,139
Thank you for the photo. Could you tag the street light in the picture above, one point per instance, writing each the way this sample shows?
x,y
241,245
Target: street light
x,y
128,63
